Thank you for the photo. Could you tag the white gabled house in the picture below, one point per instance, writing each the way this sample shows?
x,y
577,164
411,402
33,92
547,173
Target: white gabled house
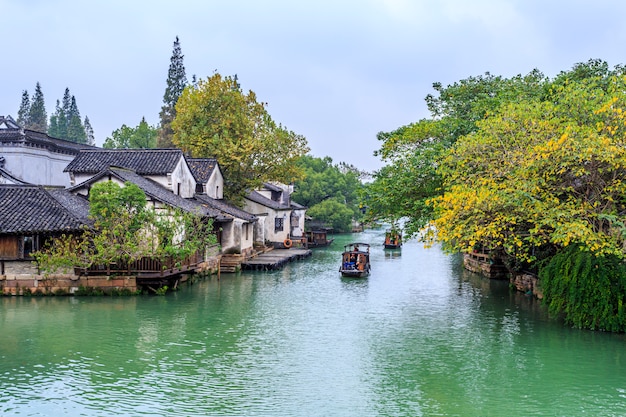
x,y
209,177
281,221
167,167
236,227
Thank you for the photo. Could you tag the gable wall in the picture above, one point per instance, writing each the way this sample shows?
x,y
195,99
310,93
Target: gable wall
x,y
270,233
181,180
214,187
36,165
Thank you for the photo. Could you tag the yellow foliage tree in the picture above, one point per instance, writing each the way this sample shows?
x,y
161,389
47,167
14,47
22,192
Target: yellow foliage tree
x,y
214,118
540,175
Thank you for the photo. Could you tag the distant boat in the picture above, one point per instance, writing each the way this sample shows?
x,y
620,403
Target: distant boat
x,y
393,239
318,238
355,260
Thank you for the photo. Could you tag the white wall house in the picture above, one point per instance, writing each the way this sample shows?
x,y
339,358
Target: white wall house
x,y
167,167
209,177
282,219
34,157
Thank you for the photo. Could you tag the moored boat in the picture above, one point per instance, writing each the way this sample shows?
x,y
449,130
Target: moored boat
x,y
318,238
393,239
355,260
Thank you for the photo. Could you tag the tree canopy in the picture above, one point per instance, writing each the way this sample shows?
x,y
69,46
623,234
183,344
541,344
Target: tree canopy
x,y
528,168
330,191
176,83
37,116
124,230
215,118
143,136
541,174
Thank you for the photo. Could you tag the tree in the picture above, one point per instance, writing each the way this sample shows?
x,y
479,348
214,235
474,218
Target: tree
x,y
66,123
334,213
58,123
413,152
176,83
37,116
75,129
125,229
216,119
24,112
541,175
91,140
143,136
326,186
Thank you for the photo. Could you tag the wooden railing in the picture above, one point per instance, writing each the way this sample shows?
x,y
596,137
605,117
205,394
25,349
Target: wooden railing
x,y
145,265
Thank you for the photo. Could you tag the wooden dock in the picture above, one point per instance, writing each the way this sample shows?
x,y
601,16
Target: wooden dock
x,y
275,259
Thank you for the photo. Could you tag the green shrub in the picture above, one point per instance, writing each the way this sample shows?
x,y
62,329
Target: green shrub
x,y
587,290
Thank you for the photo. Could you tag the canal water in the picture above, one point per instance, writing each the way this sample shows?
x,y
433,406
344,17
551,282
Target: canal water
x,y
419,337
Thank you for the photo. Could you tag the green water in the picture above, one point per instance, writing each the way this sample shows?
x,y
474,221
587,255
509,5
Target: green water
x,y
419,337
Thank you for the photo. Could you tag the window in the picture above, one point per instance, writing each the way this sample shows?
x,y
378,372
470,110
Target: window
x,y
29,246
278,224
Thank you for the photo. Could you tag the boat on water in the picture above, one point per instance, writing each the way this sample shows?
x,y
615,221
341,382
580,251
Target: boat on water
x,y
393,239
318,238
355,260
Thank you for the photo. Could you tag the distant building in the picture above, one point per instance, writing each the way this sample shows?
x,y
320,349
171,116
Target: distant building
x,y
27,156
280,219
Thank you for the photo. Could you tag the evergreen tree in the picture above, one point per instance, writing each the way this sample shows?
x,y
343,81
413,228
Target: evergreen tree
x,y
91,140
143,136
61,122
24,111
67,103
75,128
176,83
53,127
58,123
38,118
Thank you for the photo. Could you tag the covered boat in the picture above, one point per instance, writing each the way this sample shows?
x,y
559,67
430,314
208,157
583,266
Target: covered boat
x,y
355,260
393,239
318,238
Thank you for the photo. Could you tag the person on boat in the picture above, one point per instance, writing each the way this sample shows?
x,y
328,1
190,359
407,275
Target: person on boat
x,y
353,260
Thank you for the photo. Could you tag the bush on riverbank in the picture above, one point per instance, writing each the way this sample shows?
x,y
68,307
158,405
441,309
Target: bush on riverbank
x,y
587,290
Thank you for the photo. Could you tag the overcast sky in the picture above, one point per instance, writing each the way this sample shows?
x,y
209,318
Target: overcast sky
x,y
337,72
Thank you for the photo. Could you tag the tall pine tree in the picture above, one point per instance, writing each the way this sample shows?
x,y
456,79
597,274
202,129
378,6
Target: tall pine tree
x,y
58,125
24,112
38,118
75,128
176,83
65,122
91,139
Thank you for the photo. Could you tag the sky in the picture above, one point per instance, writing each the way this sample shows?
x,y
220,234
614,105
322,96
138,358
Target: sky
x,y
337,72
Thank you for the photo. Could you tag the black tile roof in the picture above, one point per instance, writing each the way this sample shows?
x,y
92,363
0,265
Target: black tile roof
x,y
142,161
11,133
35,209
226,208
202,168
153,190
267,202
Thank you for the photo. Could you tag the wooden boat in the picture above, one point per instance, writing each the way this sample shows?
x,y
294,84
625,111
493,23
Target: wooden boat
x,y
393,239
355,260
318,238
